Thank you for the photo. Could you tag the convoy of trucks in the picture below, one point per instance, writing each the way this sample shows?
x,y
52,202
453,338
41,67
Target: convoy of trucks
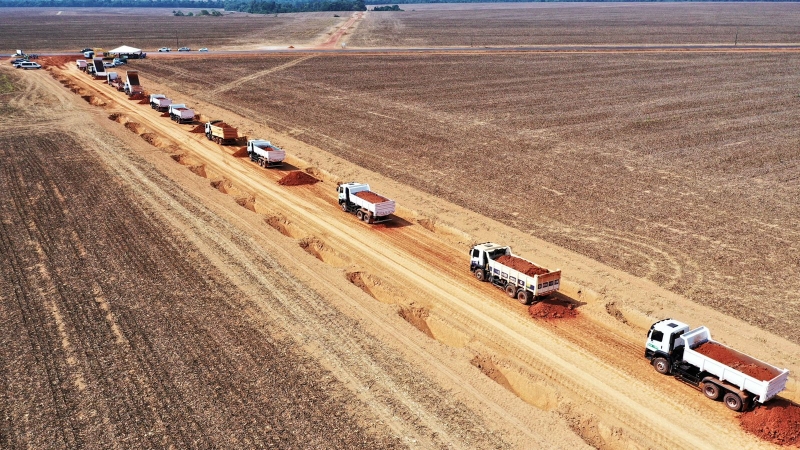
x,y
265,153
518,277
221,133
180,113
357,198
738,379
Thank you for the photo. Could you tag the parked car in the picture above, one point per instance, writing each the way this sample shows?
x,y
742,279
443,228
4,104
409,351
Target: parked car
x,y
164,49
87,49
119,62
109,64
14,62
204,49
29,65
184,49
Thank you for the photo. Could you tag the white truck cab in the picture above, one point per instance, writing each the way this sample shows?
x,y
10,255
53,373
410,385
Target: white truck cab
x,y
662,335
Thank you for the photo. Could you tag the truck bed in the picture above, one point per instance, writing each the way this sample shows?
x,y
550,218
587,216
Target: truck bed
x,y
733,366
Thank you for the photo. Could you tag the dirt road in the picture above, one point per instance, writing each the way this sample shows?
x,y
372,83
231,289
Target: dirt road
x,y
584,380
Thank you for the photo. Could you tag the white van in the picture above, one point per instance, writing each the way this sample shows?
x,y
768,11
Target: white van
x,y
29,65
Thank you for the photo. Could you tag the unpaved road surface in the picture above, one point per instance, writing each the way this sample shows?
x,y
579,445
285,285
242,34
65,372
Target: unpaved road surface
x,y
421,353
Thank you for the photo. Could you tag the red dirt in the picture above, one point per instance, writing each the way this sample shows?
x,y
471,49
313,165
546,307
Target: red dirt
x,y
241,153
778,422
297,178
198,129
371,197
724,355
144,101
553,309
136,97
164,114
521,265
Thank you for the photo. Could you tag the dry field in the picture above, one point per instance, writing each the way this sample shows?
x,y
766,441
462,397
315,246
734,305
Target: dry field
x,y
511,24
70,30
679,168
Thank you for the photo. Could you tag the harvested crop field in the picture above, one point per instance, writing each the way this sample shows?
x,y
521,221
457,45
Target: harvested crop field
x,y
510,24
152,28
677,167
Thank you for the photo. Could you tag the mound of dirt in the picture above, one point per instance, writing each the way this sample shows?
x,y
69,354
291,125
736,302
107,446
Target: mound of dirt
x,y
724,355
198,129
521,265
552,309
778,422
297,178
371,197
241,153
166,114
144,101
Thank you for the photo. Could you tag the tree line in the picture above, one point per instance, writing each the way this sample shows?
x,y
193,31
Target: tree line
x,y
275,7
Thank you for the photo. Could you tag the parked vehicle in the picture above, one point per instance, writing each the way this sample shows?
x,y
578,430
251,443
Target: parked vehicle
x,y
28,65
221,133
673,349
265,153
357,198
204,49
164,49
159,102
181,113
108,64
518,277
88,54
87,49
115,81
184,49
82,64
99,68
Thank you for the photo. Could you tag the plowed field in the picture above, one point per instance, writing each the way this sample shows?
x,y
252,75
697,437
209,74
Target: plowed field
x,y
679,168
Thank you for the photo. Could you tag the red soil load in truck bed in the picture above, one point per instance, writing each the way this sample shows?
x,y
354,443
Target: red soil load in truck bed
x,y
778,422
521,265
724,355
371,197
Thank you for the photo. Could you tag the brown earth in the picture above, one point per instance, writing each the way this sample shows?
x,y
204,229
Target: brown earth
x,y
297,178
198,129
724,355
689,188
521,265
778,421
371,197
553,309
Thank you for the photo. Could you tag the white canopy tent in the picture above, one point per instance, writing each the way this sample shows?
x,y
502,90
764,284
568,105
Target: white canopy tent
x,y
125,49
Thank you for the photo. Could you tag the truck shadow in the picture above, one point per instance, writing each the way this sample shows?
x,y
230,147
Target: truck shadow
x,y
395,222
560,299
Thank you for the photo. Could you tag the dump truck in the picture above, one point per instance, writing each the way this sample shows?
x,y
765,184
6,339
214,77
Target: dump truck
x,y
180,113
159,102
99,68
221,133
82,64
518,277
114,80
132,86
265,153
720,372
358,199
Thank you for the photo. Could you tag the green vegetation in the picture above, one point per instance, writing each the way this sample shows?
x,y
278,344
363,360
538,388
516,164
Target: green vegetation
x,y
387,8
6,84
274,7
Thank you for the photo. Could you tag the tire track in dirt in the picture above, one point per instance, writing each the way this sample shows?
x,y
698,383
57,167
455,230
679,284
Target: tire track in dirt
x,y
243,80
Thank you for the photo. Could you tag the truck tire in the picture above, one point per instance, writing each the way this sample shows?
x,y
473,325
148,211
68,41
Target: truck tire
x,y
711,390
733,401
524,297
360,214
367,217
661,365
344,206
480,275
511,290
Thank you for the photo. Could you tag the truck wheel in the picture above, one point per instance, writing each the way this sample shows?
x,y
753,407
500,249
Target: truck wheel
x,y
524,297
366,218
511,290
711,391
733,401
480,275
344,206
661,365
360,214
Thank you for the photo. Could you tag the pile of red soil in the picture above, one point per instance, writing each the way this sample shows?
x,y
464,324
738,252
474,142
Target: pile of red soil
x,y
778,422
297,178
553,309
166,114
241,153
371,197
144,101
198,129
136,97
726,356
521,265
